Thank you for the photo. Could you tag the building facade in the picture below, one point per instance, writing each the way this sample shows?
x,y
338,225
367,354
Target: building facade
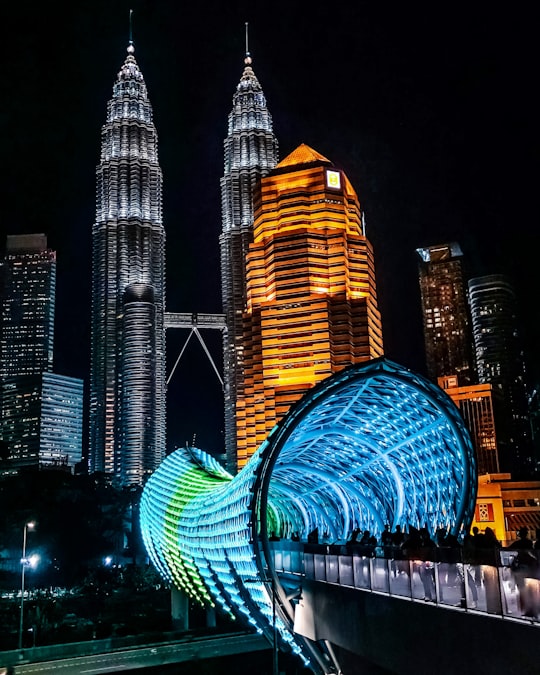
x,y
28,302
311,292
445,313
475,402
42,421
127,385
41,413
251,151
507,505
500,362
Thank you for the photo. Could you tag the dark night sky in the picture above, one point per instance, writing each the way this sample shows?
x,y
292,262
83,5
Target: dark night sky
x,y
428,108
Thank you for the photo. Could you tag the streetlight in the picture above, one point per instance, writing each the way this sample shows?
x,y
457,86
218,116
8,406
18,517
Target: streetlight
x,y
24,563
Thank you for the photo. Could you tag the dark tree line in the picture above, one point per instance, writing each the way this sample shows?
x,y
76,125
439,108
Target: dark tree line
x,y
78,520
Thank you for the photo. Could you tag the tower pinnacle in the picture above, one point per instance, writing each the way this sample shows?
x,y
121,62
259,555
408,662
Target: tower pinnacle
x,y
247,59
131,47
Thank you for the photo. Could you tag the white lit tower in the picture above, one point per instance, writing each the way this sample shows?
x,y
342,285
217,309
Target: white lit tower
x,y
500,362
251,151
127,388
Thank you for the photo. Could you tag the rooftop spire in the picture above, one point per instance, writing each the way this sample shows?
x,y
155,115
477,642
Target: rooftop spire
x,y
130,48
247,60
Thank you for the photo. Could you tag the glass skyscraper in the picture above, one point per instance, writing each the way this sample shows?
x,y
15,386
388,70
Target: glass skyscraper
x,y
41,413
28,300
42,421
445,313
500,362
127,384
251,151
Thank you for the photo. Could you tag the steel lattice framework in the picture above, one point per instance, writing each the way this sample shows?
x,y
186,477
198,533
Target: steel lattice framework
x,y
373,444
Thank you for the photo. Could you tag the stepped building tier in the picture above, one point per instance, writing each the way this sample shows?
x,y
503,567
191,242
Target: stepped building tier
x,y
127,388
311,292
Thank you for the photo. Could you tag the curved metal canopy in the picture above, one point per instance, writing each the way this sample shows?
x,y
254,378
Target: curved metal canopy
x,y
373,444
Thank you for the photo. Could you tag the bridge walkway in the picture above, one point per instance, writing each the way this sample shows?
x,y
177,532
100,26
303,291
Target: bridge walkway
x,y
496,590
413,616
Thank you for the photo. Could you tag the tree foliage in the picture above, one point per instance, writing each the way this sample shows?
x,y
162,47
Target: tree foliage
x,y
78,519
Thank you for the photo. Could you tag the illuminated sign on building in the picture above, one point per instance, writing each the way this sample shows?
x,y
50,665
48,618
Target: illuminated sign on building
x,y
333,179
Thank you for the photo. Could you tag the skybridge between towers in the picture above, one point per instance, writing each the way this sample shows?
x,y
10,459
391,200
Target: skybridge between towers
x,y
195,323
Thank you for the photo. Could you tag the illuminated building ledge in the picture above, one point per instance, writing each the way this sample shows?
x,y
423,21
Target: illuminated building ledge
x,y
373,444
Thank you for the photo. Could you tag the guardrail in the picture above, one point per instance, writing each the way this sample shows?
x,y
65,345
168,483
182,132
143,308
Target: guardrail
x,y
507,590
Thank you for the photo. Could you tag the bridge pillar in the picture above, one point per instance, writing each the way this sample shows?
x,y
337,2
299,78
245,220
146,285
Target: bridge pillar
x,y
179,609
210,617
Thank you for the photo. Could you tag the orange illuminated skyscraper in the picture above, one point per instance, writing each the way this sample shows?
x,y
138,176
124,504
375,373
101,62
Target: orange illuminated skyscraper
x,y
311,294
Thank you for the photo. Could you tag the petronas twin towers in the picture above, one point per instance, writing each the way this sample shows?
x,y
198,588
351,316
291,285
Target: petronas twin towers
x,y
128,380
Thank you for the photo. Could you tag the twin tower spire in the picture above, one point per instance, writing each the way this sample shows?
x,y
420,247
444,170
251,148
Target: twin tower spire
x,y
128,379
308,270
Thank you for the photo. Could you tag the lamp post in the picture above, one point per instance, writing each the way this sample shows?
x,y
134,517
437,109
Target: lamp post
x,y
24,562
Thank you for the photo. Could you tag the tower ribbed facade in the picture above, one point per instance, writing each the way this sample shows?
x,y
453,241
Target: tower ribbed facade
x,y
500,362
311,291
128,385
251,151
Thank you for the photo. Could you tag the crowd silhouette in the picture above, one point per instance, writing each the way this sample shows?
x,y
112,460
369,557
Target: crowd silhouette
x,y
444,563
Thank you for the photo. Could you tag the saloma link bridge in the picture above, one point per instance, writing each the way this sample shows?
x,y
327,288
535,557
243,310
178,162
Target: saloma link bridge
x,y
373,444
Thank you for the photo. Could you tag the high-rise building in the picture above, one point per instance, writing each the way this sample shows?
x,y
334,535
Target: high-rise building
x,y
475,402
28,299
447,335
500,362
42,421
311,293
251,151
41,414
127,385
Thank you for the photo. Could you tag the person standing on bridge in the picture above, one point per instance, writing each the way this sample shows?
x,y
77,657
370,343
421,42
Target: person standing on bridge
x,y
525,566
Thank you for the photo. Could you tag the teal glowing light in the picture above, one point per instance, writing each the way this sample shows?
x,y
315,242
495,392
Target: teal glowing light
x,y
373,444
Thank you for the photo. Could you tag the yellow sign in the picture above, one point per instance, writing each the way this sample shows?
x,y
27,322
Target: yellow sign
x,y
333,179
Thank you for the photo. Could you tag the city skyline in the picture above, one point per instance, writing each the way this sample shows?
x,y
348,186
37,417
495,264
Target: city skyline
x,y
430,122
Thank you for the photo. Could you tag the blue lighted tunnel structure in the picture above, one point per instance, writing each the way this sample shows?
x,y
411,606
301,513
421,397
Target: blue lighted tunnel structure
x,y
370,445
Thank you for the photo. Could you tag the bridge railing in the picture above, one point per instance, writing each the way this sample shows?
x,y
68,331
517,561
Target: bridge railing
x,y
504,589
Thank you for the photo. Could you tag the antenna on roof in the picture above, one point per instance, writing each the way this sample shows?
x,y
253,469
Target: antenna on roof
x,y
247,60
131,27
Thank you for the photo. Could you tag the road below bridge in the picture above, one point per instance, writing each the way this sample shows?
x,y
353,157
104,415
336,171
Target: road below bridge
x,y
147,657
